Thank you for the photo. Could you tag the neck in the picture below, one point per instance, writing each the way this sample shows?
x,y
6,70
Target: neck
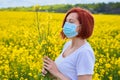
x,y
77,42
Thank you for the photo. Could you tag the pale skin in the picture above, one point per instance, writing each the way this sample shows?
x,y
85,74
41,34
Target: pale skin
x,y
76,43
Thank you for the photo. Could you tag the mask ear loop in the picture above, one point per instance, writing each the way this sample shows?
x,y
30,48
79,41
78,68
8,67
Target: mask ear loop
x,y
80,26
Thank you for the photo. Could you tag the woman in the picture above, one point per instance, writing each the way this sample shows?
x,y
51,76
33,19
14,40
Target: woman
x,y
76,62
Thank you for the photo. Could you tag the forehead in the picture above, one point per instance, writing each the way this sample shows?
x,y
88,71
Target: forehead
x,y
72,16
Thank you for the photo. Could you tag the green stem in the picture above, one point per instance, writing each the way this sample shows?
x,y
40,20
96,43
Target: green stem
x,y
38,26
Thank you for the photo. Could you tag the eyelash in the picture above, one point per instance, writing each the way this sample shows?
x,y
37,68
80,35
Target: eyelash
x,y
71,22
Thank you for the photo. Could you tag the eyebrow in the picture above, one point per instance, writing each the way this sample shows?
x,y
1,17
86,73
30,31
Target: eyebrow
x,y
69,19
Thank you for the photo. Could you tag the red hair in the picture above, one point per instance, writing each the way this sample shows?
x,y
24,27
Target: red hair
x,y
86,20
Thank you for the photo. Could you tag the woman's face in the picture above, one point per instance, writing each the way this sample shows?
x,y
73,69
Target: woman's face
x,y
73,18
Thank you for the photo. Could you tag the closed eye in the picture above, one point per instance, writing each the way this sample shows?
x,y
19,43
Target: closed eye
x,y
70,20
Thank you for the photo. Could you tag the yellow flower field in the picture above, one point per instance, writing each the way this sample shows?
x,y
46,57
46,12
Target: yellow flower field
x,y
24,41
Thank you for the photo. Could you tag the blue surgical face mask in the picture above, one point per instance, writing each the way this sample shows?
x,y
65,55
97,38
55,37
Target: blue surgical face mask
x,y
69,30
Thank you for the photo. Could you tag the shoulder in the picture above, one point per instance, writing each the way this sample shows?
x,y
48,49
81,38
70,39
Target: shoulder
x,y
86,48
85,60
86,51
